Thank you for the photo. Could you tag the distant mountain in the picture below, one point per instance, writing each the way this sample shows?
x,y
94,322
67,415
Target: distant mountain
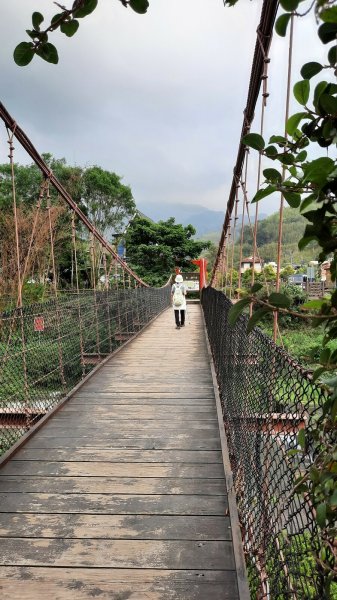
x,y
203,219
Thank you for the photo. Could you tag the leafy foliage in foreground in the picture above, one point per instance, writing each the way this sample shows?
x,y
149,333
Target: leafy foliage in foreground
x,y
67,20
310,185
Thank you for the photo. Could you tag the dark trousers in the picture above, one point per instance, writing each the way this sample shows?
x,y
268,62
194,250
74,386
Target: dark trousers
x,y
182,317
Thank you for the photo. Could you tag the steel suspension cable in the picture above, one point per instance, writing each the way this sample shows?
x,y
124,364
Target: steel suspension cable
x,y
265,95
19,284
58,320
280,228
265,29
244,204
234,236
80,321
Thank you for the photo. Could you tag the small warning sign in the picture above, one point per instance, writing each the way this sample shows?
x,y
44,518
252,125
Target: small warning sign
x,y
38,324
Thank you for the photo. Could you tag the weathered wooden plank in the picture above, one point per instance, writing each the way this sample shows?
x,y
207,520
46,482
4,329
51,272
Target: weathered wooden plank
x,y
112,485
175,422
39,583
115,526
143,442
123,456
108,385
120,504
135,401
110,469
97,427
138,394
108,436
141,412
129,554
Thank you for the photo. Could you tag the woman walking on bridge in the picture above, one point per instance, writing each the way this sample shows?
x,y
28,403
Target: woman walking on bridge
x,y
178,295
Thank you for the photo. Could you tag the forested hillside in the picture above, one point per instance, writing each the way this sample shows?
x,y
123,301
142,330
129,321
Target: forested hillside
x,y
293,228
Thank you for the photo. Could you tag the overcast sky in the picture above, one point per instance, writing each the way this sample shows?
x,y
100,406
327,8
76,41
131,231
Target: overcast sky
x,y
157,98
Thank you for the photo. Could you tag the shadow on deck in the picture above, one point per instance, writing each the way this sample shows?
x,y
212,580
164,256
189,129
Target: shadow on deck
x,y
122,493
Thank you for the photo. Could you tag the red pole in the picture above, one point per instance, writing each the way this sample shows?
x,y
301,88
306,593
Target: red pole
x,y
202,264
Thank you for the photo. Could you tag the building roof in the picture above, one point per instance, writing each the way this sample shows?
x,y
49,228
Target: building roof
x,y
249,259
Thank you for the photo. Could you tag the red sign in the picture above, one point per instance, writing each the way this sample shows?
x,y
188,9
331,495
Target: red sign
x,y
38,324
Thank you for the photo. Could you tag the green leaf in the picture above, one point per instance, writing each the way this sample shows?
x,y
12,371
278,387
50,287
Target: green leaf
x,y
256,317
307,201
236,310
329,15
331,381
254,140
332,56
317,373
329,128
318,170
311,69
256,288
263,193
301,438
294,121
305,240
293,199
87,8
69,28
31,33
302,91
270,151
23,54
321,514
37,19
324,356
329,104
286,158
49,53
319,89
289,4
272,175
279,300
282,24
293,172
333,498
301,156
327,32
333,411
139,6
56,18
278,139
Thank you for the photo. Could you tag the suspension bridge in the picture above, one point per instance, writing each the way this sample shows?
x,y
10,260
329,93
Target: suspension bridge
x,y
139,461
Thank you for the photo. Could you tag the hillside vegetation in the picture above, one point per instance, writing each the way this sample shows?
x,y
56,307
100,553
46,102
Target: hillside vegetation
x,y
267,234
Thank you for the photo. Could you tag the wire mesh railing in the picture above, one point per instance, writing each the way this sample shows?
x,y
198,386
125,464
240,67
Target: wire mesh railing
x,y
266,399
47,348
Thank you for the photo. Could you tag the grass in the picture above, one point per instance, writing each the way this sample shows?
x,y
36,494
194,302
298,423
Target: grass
x,y
300,342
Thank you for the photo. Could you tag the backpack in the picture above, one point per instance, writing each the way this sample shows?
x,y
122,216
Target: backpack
x,y
178,297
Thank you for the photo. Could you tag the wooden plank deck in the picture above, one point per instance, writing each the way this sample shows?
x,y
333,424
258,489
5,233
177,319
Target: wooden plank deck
x,y
121,494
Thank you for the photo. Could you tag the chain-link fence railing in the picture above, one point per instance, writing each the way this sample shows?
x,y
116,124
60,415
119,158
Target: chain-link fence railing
x,y
266,399
47,348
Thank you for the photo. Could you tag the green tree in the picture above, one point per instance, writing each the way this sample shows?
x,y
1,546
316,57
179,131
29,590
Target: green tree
x,y
109,203
154,249
99,193
210,254
286,272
